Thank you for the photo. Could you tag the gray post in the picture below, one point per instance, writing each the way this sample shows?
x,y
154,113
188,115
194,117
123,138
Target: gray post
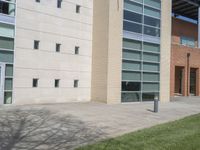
x,y
156,103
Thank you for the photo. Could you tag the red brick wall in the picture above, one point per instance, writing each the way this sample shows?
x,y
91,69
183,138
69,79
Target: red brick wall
x,y
179,53
183,28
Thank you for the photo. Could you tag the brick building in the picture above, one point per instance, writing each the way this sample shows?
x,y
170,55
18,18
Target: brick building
x,y
185,59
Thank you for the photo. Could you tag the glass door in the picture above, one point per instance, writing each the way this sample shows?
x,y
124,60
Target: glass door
x,y
2,74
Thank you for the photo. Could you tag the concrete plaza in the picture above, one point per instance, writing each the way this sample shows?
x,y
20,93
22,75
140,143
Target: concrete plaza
x,y
67,126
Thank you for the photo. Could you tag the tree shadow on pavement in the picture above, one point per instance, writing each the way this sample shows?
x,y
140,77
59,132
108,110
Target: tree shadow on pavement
x,y
43,130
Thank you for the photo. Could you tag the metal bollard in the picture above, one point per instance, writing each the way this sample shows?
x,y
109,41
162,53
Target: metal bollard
x,y
156,103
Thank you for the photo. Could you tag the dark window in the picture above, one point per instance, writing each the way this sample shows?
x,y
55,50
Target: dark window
x,y
132,27
76,83
4,7
132,16
151,31
58,47
59,3
149,96
57,82
36,44
131,86
77,50
38,1
78,8
35,83
151,21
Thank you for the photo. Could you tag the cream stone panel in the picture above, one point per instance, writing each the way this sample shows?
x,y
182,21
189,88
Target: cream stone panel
x,y
50,25
115,51
100,50
107,51
165,50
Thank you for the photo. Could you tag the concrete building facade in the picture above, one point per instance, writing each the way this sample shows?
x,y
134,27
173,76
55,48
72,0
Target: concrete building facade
x,y
49,54
111,51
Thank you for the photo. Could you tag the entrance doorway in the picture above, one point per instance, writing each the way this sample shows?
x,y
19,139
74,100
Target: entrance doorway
x,y
2,74
193,79
178,81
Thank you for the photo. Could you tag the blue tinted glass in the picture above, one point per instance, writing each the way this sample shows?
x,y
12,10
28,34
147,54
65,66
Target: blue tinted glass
x,y
133,27
132,16
151,21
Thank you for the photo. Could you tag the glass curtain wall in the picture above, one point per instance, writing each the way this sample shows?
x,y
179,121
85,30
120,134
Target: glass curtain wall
x,y
7,33
141,50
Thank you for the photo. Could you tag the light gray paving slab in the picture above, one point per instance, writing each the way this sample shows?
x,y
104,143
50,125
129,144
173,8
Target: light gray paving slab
x,y
66,126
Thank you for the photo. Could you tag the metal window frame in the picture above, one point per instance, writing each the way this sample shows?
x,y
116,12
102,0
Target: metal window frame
x,y
2,65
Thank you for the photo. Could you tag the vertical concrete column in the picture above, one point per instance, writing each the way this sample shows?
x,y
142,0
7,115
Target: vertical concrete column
x,y
199,27
166,22
107,51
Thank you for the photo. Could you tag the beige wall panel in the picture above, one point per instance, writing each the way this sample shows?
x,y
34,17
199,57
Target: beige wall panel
x,y
115,51
107,51
50,25
165,50
100,50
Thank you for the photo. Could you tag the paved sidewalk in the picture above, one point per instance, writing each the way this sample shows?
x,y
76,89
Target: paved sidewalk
x,y
66,126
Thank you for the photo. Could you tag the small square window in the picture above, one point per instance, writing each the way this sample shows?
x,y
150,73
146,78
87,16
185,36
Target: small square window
x,y
57,83
38,1
76,83
77,50
36,44
59,3
58,47
35,83
78,9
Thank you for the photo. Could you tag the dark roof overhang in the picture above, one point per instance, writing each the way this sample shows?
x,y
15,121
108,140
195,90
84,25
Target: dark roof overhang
x,y
186,8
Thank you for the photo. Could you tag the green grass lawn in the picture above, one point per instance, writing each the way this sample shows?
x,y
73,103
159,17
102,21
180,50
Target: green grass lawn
x,y
183,134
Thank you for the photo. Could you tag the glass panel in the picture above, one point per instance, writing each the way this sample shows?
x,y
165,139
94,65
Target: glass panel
x,y
9,70
128,65
188,41
6,56
130,54
128,75
151,12
153,3
132,44
130,97
130,5
131,86
8,97
6,30
139,1
150,87
151,77
132,16
132,27
151,31
8,84
149,96
151,47
151,67
151,57
0,78
7,8
152,21
6,43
